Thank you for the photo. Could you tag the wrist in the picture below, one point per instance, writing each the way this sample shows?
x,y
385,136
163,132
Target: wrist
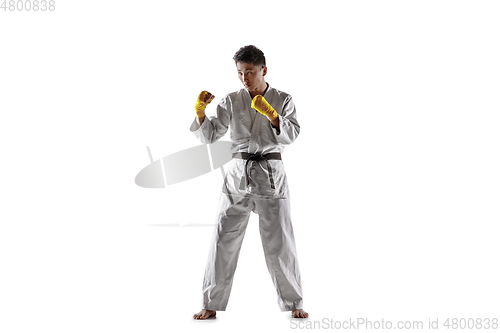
x,y
200,113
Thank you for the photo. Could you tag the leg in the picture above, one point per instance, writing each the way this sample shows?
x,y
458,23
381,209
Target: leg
x,y
224,251
279,249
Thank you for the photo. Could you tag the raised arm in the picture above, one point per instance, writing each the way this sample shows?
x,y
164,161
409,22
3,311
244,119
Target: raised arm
x,y
286,126
211,129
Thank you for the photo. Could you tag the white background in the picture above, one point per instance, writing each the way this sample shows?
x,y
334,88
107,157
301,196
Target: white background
x,y
394,178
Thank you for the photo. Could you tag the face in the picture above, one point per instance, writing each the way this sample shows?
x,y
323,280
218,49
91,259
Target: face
x,y
252,76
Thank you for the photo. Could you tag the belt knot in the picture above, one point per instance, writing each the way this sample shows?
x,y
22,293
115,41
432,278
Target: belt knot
x,y
258,157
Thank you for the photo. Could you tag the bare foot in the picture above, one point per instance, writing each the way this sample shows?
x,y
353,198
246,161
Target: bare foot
x,y
204,314
299,313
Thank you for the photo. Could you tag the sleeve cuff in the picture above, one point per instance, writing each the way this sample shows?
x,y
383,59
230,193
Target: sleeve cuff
x,y
195,127
277,131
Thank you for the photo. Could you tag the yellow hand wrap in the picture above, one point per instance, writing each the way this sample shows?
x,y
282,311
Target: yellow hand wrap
x,y
261,105
204,98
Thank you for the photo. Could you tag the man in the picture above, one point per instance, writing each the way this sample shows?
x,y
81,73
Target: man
x,y
262,121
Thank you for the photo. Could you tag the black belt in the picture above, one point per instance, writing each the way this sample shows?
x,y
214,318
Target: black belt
x,y
258,157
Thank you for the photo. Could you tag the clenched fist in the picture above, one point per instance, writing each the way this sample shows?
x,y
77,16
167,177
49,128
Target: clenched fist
x,y
204,98
261,105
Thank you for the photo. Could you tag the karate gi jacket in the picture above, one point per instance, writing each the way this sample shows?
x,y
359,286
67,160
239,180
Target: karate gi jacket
x,y
252,132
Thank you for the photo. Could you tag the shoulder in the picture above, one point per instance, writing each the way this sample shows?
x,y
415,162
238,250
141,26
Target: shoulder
x,y
236,94
280,94
229,99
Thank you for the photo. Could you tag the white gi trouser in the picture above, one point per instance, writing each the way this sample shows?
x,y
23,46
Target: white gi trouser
x,y
259,185
278,242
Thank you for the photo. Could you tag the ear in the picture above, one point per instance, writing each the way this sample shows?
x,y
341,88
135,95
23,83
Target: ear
x,y
264,70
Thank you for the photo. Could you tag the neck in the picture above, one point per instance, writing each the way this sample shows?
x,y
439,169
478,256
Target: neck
x,y
259,91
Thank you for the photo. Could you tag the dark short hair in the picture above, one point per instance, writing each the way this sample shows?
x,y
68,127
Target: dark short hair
x,y
250,54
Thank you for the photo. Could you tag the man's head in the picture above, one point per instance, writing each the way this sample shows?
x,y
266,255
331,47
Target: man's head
x,y
250,54
251,66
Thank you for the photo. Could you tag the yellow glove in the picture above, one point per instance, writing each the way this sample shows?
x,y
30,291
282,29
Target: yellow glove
x,y
204,98
261,105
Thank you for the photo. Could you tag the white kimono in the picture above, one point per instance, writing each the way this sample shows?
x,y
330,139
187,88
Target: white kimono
x,y
251,132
